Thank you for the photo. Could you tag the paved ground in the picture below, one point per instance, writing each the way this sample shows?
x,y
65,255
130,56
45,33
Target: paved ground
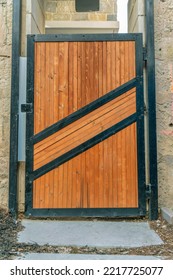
x,y
44,256
92,234
99,234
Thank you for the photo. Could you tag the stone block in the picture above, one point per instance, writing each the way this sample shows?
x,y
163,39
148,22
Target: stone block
x,y
3,29
51,7
4,193
112,17
61,17
65,7
49,16
107,6
97,17
79,16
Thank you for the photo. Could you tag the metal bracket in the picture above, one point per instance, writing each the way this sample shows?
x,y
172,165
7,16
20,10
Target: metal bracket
x,y
144,54
148,191
26,108
145,109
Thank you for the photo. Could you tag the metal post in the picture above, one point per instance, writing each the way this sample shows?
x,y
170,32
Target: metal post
x,y
151,90
16,27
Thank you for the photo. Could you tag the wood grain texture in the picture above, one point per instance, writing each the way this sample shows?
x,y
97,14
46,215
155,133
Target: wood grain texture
x,y
96,178
68,76
84,129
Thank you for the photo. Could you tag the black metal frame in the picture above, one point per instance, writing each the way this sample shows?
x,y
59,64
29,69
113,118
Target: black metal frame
x,y
14,107
151,90
139,117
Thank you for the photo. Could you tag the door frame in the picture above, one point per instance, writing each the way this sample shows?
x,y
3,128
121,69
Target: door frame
x,y
151,93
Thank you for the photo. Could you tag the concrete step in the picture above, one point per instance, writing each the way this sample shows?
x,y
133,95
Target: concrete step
x,y
45,256
100,234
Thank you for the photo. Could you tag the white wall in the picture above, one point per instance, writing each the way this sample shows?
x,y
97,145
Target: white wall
x,y
35,17
122,15
136,17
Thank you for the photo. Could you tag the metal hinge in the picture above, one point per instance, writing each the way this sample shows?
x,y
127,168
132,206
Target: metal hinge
x,y
145,109
148,191
144,54
26,108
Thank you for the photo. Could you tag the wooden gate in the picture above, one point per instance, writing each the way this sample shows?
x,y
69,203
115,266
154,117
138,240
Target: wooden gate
x,y
85,126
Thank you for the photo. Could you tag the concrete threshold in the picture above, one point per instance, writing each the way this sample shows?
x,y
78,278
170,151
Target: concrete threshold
x,y
100,234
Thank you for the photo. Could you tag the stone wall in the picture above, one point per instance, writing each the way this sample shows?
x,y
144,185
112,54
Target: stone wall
x,y
65,11
5,85
163,19
164,91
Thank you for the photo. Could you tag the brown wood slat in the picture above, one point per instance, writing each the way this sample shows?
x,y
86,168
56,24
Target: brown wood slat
x,y
117,104
63,76
87,197
68,76
120,101
71,139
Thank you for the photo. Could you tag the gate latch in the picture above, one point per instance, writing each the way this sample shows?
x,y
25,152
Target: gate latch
x,y
26,108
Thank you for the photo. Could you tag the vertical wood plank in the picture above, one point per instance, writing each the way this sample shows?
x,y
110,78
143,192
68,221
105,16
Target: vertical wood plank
x,y
115,172
74,189
51,117
105,177
70,79
55,82
101,145
69,183
96,148
135,165
60,184
79,81
124,182
118,65
75,76
119,169
56,187
101,174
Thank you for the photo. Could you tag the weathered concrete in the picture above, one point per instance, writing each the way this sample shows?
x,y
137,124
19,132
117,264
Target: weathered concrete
x,y
44,256
92,234
167,214
5,88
